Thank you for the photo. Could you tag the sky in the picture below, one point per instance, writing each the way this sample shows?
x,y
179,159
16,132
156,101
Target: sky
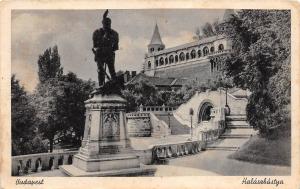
x,y
33,31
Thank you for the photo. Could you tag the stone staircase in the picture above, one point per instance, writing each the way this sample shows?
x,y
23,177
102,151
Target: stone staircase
x,y
176,127
236,134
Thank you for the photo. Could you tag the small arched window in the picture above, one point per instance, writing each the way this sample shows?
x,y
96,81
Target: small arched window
x,y
199,53
212,49
176,58
161,61
166,60
193,54
187,56
152,49
158,49
149,64
171,59
205,51
221,47
156,63
181,56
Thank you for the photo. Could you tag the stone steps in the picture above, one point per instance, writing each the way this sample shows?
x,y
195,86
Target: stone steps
x,y
240,117
244,131
235,136
176,127
232,123
237,133
239,127
225,148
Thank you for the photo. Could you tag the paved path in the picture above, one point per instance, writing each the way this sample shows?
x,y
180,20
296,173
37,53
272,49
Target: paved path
x,y
161,170
216,161
143,143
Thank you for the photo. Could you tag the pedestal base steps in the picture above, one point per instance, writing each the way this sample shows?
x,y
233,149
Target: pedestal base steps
x,y
74,171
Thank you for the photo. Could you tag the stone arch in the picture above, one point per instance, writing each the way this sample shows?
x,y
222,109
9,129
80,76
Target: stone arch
x,y
28,165
161,61
51,163
193,54
60,160
181,56
171,59
205,51
166,60
221,47
187,56
199,53
38,164
176,58
149,64
212,49
204,110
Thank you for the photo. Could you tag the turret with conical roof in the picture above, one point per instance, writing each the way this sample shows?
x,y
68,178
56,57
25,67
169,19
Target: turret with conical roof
x,y
223,21
156,43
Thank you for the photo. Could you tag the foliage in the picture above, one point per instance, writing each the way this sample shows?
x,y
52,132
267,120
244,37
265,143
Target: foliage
x,y
60,105
148,95
141,93
72,107
209,29
24,139
260,63
59,99
49,64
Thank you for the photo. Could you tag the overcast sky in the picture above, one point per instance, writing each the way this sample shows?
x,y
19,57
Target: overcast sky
x,y
71,30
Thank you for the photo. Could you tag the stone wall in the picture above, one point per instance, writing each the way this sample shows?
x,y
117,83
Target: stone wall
x,y
200,70
138,124
216,98
159,127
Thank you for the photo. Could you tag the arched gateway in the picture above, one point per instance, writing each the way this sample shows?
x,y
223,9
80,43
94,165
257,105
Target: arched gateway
x,y
204,113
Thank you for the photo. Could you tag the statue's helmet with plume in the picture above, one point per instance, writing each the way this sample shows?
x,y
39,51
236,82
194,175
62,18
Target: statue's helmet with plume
x,y
106,21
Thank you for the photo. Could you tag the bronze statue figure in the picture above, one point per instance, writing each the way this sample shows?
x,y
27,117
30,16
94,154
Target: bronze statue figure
x,y
105,43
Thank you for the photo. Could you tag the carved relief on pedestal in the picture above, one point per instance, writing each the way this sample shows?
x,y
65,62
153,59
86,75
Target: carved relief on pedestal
x,y
89,125
110,126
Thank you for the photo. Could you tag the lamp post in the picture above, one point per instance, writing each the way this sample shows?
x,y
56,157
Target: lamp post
x,y
191,114
169,114
227,109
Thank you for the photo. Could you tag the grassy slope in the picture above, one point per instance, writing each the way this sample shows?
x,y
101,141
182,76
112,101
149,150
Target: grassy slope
x,y
261,150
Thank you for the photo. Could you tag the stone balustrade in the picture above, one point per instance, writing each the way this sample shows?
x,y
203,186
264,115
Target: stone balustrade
x,y
162,108
164,151
26,164
137,114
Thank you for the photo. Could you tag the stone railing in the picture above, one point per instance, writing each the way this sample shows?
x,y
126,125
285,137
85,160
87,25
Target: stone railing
x,y
162,108
219,52
164,151
26,164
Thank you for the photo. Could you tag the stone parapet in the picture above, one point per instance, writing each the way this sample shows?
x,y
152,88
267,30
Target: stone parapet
x,y
26,164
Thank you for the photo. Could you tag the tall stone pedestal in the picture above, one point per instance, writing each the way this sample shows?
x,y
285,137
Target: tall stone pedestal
x,y
105,148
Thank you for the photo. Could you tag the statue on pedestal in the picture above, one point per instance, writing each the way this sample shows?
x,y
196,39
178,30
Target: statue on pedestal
x,y
106,149
105,43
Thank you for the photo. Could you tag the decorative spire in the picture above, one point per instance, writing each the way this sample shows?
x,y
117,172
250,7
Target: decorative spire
x,y
156,39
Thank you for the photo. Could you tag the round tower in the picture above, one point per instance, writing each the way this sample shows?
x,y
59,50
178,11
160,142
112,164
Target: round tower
x,y
223,22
